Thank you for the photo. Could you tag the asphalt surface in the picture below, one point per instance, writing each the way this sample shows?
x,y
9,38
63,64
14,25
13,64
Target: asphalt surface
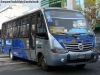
x,y
23,67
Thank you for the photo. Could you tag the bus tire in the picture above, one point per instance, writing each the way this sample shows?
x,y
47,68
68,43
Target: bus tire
x,y
81,65
39,62
44,65
11,55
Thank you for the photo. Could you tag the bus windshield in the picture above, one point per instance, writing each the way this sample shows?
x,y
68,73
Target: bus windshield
x,y
66,21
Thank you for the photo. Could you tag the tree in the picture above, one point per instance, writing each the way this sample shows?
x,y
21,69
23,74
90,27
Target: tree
x,y
89,3
91,12
78,7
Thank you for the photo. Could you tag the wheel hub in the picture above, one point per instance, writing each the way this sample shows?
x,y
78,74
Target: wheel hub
x,y
10,54
44,63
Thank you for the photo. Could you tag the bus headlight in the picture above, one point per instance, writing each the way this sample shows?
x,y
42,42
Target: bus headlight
x,y
59,51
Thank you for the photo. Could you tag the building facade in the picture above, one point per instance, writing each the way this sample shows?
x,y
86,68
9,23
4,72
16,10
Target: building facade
x,y
69,4
12,11
53,3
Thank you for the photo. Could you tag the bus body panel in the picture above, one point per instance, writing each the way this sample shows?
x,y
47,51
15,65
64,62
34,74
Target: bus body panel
x,y
19,48
40,46
7,46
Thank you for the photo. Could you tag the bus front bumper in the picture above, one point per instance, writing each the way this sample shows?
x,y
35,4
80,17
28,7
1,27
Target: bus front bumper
x,y
72,58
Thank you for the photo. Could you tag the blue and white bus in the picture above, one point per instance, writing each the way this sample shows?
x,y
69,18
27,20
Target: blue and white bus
x,y
50,37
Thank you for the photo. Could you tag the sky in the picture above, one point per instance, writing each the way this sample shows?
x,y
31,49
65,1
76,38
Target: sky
x,y
31,5
80,2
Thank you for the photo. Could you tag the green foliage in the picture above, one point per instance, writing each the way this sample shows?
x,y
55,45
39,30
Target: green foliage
x,y
92,11
89,3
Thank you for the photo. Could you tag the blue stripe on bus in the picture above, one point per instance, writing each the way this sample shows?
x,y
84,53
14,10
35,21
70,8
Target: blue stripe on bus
x,y
64,39
21,52
17,46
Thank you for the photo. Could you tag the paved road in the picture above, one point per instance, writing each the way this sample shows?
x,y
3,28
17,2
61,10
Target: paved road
x,y
22,67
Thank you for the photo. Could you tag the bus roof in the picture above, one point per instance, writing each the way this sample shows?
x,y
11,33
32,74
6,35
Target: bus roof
x,y
25,14
37,9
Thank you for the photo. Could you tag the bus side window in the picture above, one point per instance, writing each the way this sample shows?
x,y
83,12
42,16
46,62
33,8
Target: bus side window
x,y
41,27
4,31
9,30
18,25
27,26
3,36
14,29
24,28
33,26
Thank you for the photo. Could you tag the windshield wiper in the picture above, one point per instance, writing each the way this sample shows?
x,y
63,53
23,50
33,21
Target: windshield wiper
x,y
78,34
74,34
59,33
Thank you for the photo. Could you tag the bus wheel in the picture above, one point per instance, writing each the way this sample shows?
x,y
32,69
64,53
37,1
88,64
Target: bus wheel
x,y
81,65
39,62
11,55
44,64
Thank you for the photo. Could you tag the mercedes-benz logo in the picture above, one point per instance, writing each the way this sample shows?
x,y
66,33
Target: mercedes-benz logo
x,y
80,46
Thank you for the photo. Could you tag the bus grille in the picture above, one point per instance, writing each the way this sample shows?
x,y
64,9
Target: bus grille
x,y
75,46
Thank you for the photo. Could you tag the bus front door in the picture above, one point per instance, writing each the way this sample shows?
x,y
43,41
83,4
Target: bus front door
x,y
32,38
32,49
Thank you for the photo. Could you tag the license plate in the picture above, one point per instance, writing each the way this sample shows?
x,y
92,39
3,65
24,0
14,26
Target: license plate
x,y
81,56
